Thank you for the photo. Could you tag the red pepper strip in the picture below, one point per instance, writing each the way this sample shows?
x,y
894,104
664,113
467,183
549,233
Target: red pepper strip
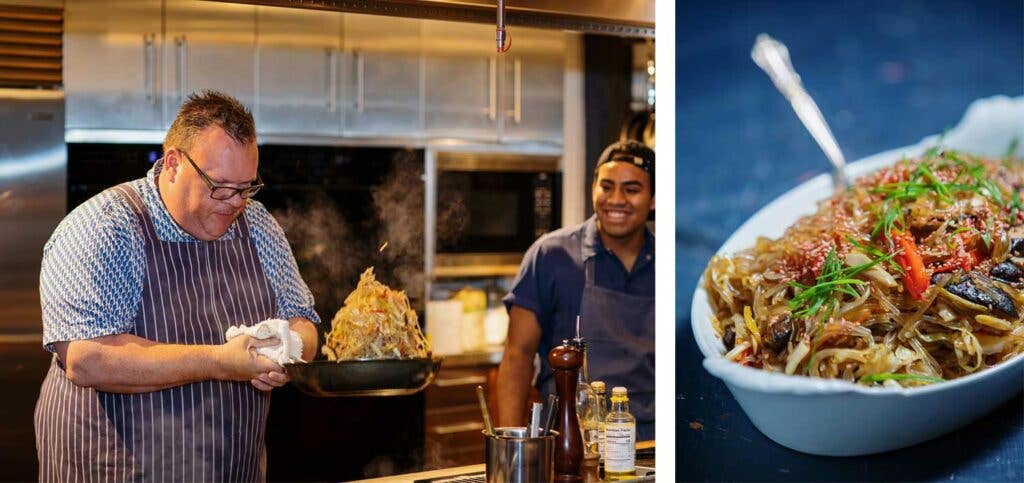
x,y
744,361
963,259
910,260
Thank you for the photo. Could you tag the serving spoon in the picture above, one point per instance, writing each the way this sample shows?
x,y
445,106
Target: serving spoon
x,y
773,58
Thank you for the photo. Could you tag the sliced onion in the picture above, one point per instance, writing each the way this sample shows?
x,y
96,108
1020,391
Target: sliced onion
x,y
796,355
991,344
945,313
876,272
838,354
735,353
993,322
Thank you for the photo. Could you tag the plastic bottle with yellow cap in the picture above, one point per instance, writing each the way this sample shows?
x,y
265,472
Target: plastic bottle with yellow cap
x,y
620,438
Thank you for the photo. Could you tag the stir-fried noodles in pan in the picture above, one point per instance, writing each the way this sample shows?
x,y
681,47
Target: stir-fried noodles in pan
x,y
912,276
376,322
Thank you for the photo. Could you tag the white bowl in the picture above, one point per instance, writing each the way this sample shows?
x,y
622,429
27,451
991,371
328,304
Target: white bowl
x,y
840,418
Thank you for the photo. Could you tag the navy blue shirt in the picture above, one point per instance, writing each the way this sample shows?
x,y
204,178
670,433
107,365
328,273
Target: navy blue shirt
x,y
550,280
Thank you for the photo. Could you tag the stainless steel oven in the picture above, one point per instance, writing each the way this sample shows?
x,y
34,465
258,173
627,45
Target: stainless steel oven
x,y
489,208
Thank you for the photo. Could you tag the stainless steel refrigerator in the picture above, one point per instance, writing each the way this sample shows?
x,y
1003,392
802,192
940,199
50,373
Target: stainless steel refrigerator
x,y
33,192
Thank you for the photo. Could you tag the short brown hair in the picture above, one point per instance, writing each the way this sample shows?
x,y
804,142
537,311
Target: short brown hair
x,y
206,108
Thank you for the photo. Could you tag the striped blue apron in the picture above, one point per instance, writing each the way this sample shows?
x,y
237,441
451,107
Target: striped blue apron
x,y
205,431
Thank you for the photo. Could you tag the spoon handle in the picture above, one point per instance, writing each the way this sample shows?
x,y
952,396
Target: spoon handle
x,y
773,58
483,408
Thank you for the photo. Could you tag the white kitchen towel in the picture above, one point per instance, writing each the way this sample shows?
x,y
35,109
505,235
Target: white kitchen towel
x,y
289,349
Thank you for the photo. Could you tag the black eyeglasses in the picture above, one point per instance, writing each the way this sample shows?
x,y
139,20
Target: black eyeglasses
x,y
221,192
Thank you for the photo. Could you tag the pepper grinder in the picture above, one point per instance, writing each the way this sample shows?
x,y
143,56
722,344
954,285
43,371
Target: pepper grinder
x,y
565,361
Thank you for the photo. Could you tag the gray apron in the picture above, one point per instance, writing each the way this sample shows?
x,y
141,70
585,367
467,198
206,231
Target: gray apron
x,y
205,431
619,328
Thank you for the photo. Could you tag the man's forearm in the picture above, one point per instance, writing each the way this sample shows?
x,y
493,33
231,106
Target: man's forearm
x,y
513,387
131,364
307,332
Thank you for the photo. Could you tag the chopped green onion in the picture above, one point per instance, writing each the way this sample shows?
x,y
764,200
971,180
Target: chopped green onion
x,y
1015,207
890,216
834,277
870,250
987,236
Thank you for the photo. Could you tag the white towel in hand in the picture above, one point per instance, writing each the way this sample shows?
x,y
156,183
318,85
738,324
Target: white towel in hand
x,y
289,349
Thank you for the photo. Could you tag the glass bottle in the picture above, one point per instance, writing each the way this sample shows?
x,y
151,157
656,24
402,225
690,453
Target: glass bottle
x,y
620,438
586,409
600,411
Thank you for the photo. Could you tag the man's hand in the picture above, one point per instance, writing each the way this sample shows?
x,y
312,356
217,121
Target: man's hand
x,y
239,361
269,380
307,332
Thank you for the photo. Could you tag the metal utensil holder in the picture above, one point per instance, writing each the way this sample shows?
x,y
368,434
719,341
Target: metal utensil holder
x,y
514,457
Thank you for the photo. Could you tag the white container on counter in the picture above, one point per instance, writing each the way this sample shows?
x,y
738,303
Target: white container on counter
x,y
496,326
473,331
444,326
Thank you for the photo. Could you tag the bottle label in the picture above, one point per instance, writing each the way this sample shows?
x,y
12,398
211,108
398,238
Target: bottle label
x,y
620,447
600,440
590,441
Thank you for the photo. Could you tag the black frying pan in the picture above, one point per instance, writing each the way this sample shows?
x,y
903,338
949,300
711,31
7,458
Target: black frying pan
x,y
378,377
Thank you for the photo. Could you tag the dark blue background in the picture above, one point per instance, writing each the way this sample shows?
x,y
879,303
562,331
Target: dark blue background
x,y
885,74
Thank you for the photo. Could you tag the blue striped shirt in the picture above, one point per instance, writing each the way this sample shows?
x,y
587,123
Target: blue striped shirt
x,y
94,264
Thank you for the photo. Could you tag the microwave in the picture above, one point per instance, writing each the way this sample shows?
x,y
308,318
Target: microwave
x,y
489,208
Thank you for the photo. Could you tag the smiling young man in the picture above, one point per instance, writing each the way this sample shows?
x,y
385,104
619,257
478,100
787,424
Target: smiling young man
x,y
601,271
139,285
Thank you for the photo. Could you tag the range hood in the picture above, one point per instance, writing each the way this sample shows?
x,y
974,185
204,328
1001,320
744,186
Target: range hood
x,y
633,18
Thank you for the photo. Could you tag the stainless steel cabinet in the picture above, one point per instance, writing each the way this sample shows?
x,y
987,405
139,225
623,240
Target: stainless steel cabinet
x,y
209,45
532,83
383,76
112,64
299,67
475,92
129,65
462,80
532,98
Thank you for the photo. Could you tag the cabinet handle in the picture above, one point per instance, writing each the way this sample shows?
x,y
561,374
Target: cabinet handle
x,y
184,66
517,90
458,428
181,47
360,72
460,381
147,67
177,70
153,68
492,92
331,79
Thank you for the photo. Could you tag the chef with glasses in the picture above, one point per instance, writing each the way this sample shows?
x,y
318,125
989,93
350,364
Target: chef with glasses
x,y
138,287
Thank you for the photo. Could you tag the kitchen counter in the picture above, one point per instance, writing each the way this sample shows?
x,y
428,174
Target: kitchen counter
x,y
644,461
472,474
426,475
489,356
